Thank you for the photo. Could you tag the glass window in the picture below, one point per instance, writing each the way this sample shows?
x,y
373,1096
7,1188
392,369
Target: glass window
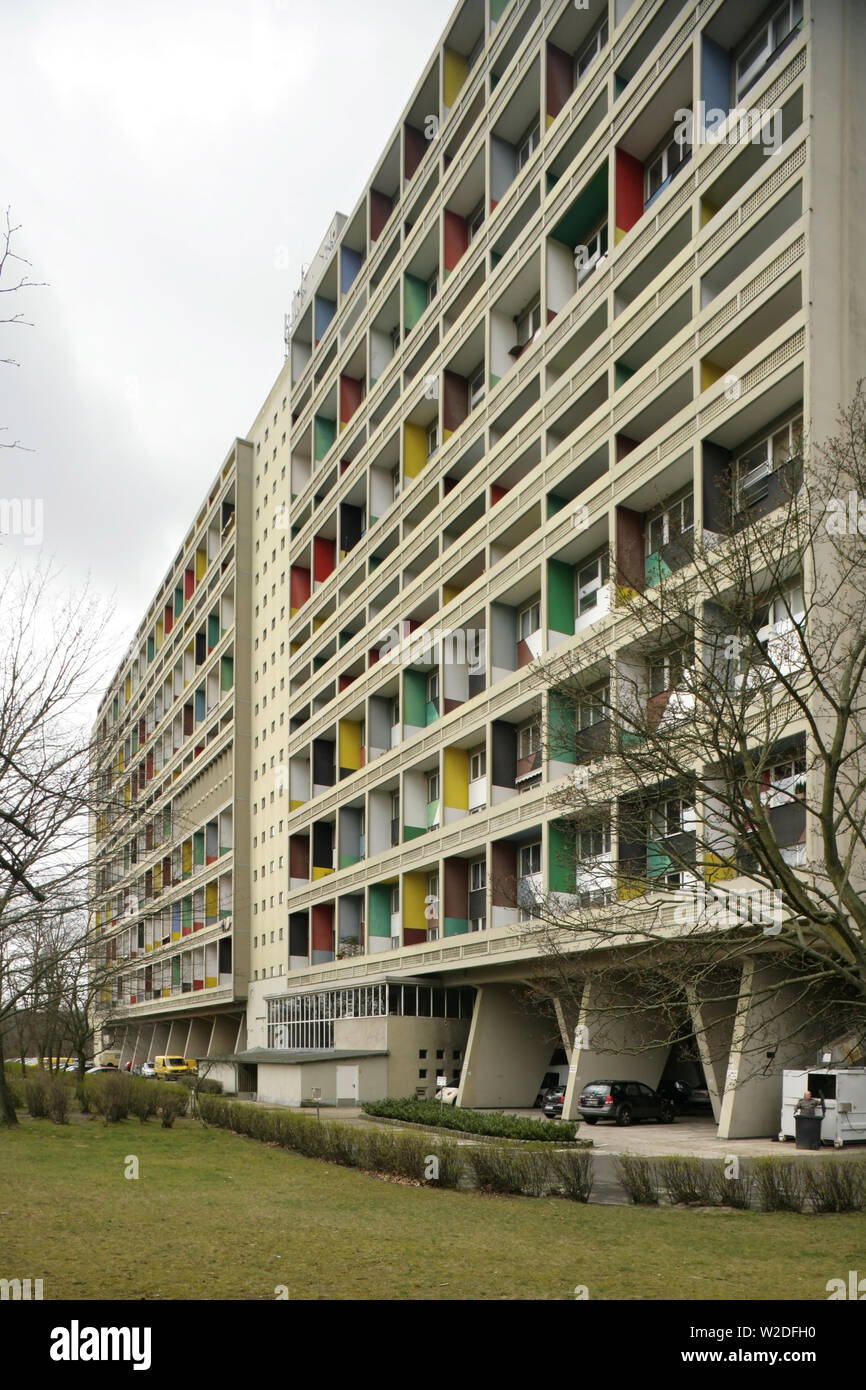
x,y
590,51
529,621
432,438
528,323
478,875
476,220
530,859
528,740
477,765
433,786
528,145
433,687
592,577
476,389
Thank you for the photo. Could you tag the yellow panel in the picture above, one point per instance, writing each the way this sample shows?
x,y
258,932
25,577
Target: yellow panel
x,y
624,594
456,763
321,872
414,449
618,235
350,744
166,992
210,981
708,210
186,856
710,374
414,893
293,805
211,901
450,591
716,871
200,564
455,70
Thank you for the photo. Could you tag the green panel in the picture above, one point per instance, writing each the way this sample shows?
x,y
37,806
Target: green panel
x,y
166,820
552,180
227,673
587,210
655,569
560,596
657,862
379,910
621,374
562,728
432,813
178,600
562,862
415,698
187,912
175,970
455,926
151,647
347,860
431,713
213,629
411,832
198,847
497,10
416,299
324,434
619,84
555,504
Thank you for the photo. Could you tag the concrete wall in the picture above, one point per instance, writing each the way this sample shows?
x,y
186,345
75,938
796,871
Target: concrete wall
x,y
507,1053
611,1046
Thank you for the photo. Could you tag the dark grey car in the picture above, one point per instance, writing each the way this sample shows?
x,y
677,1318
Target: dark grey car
x,y
624,1102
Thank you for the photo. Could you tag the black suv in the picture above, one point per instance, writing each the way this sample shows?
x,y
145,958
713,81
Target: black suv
x,y
622,1101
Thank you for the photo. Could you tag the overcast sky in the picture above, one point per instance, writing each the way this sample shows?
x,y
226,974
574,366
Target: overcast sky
x,y
165,161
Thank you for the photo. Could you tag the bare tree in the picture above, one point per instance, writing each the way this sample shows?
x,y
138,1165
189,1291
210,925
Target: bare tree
x,y
51,665
12,281
712,768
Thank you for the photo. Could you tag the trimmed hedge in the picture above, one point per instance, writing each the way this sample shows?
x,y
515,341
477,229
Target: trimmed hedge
x,y
497,1126
435,1160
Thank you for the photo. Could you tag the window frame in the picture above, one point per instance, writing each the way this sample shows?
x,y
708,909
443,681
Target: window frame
x,y
522,852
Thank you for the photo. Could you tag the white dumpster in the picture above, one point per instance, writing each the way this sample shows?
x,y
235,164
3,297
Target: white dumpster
x,y
844,1092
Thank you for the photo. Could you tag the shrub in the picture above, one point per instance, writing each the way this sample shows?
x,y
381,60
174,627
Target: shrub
x,y
145,1099
208,1087
111,1096
781,1184
499,1170
499,1126
573,1172
639,1177
836,1185
16,1096
735,1192
340,1144
172,1104
58,1100
688,1180
37,1096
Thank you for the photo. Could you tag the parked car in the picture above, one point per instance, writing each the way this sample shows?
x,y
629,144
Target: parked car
x,y
553,1080
92,1071
447,1095
624,1102
147,1069
553,1103
685,1098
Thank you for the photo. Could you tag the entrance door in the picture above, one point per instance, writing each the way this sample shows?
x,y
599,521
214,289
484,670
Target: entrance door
x,y
347,1085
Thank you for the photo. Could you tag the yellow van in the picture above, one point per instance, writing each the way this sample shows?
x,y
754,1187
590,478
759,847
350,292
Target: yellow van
x,y
167,1067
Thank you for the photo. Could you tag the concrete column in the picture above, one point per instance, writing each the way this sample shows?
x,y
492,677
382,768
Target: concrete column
x,y
198,1037
770,1018
713,1027
177,1037
145,1041
507,1052
223,1036
611,1044
127,1046
161,1034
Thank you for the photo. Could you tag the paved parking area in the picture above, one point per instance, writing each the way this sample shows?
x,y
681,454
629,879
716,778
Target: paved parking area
x,y
689,1134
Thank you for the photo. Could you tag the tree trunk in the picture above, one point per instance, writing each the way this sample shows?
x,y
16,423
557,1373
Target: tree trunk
x,y
7,1109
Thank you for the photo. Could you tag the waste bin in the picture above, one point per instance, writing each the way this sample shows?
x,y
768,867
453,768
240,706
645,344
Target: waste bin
x,y
807,1129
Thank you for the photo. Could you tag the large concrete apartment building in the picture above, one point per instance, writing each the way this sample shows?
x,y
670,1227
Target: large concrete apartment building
x,y
507,391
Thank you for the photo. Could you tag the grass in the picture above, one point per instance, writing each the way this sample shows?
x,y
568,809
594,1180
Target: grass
x,y
217,1216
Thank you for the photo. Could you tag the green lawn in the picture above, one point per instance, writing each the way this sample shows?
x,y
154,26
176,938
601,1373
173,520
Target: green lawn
x,y
217,1216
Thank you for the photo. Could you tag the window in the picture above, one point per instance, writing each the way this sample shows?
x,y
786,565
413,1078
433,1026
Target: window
x,y
529,621
591,579
593,842
666,672
667,162
759,50
395,338
396,483
475,221
395,900
529,739
395,713
596,252
528,145
477,388
433,688
477,923
433,890
592,707
432,786
528,323
753,469
785,782
477,765
477,875
432,287
530,859
395,805
668,525
432,438
674,816
590,51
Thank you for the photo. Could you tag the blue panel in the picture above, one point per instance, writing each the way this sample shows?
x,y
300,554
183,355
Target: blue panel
x,y
350,264
325,310
715,77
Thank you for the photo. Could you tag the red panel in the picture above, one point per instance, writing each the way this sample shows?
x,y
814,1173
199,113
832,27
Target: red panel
x,y
560,71
629,190
350,398
299,856
380,211
415,149
346,681
630,562
188,583
149,766
323,927
299,587
455,400
503,869
497,492
169,618
456,896
456,238
373,656
414,936
323,558
524,655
